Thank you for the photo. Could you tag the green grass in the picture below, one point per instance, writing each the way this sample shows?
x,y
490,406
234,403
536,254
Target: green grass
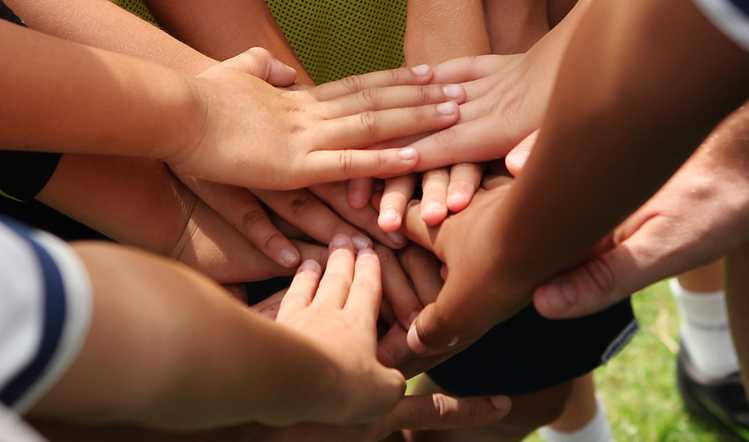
x,y
638,386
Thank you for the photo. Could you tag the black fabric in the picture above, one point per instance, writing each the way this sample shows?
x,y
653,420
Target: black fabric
x,y
524,355
24,174
529,353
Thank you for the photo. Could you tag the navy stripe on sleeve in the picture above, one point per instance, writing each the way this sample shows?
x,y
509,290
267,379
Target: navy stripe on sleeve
x,y
53,322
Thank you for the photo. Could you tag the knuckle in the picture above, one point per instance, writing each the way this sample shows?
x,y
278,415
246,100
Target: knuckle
x,y
301,203
251,218
353,83
370,97
368,122
345,161
601,276
396,75
424,95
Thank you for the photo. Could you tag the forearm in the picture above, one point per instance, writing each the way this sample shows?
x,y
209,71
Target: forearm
x,y
611,120
101,24
131,200
166,349
515,25
438,30
226,28
86,100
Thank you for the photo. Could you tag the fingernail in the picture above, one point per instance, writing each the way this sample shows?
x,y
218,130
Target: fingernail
x,y
361,242
453,91
457,199
421,70
390,216
443,271
397,238
502,403
434,207
289,257
553,297
518,157
340,241
414,342
453,342
310,265
367,251
448,108
407,153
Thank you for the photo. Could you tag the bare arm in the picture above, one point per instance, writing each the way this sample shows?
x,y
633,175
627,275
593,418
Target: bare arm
x,y
611,119
225,28
167,348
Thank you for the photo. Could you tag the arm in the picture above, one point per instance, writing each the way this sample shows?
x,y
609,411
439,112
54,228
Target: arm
x,y
226,28
603,98
151,320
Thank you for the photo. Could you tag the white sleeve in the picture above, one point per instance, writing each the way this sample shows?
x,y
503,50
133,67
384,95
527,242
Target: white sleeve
x,y
730,16
45,308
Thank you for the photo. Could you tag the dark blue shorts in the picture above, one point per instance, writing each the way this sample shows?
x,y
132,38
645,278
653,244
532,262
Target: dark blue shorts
x,y
525,354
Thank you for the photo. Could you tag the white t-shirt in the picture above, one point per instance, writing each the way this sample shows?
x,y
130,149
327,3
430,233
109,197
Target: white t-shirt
x,y
45,308
730,16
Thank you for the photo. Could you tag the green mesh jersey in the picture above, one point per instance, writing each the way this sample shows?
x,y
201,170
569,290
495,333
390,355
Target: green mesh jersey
x,y
334,38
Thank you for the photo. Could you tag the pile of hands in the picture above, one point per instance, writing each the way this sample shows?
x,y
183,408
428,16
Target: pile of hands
x,y
326,187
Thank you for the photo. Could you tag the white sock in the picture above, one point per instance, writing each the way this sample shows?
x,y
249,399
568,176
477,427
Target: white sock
x,y
597,430
705,332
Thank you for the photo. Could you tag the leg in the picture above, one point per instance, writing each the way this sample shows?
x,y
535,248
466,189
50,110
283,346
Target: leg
x,y
583,419
529,412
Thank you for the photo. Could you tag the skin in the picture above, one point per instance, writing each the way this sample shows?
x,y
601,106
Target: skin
x,y
534,233
699,215
131,288
209,107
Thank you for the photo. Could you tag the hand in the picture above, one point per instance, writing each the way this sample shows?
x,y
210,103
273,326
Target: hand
x,y
338,314
257,136
415,413
471,301
702,213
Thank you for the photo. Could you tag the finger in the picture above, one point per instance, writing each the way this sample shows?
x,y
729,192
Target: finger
x,y
471,142
516,159
434,199
393,97
465,178
336,282
328,166
416,229
392,349
243,211
372,127
441,412
262,64
396,287
305,211
366,218
606,279
302,290
366,290
359,191
460,70
423,269
421,74
398,192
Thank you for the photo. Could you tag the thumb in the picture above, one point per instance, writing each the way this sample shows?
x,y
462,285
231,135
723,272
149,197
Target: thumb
x,y
262,64
516,159
599,283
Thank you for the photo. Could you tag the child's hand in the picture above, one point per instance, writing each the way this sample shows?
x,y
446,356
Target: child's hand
x,y
258,136
338,313
472,299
